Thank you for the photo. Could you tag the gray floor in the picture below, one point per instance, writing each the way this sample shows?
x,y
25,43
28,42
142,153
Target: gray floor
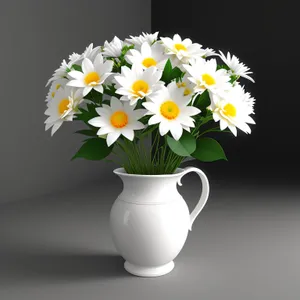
x,y
245,245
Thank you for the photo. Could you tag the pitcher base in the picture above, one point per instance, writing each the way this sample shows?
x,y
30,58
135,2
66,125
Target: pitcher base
x,y
148,271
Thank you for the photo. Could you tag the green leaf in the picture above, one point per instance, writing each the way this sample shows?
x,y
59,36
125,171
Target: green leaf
x,y
223,67
94,96
208,150
86,114
110,90
176,73
202,101
87,132
125,49
184,146
170,73
233,78
167,71
93,149
77,68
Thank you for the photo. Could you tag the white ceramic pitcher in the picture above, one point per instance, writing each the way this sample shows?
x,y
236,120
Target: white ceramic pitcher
x,y
150,220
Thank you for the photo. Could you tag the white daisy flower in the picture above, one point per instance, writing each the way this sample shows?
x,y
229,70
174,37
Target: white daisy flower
x,y
231,110
92,76
90,52
205,76
170,109
117,119
62,107
74,57
184,50
114,48
136,83
207,52
137,41
148,56
240,93
186,86
236,67
62,71
56,85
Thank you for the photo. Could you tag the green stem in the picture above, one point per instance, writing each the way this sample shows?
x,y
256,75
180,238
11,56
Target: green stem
x,y
203,122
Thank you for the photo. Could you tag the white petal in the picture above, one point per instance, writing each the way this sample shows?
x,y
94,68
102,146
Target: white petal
x,y
122,81
99,88
115,104
223,124
154,120
112,137
150,106
216,117
106,67
86,90
190,111
177,38
248,77
244,127
98,122
124,98
87,66
56,127
138,70
76,83
163,128
76,74
48,126
146,50
128,133
98,60
127,73
233,129
176,131
105,130
186,128
249,120
123,91
104,110
136,125
187,121
138,113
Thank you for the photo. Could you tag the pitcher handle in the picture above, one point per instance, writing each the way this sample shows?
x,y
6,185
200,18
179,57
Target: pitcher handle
x,y
204,195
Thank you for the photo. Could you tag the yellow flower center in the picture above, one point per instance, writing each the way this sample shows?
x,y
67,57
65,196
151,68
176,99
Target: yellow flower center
x,y
169,110
57,86
53,94
187,91
149,62
209,80
229,110
179,47
92,79
119,119
140,86
181,84
63,106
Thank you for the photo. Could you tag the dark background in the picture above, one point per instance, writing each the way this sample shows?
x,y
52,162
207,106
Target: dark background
x,y
263,35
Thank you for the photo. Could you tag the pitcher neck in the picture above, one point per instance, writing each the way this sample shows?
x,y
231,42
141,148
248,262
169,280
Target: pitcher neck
x,y
149,189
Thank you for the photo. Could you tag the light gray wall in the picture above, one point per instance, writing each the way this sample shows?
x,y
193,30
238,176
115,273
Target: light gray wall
x,y
35,36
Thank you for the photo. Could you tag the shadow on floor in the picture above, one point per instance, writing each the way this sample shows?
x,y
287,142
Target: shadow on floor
x,y
56,266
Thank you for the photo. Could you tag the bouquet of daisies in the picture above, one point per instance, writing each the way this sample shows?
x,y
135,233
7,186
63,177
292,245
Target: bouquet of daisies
x,y
150,102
